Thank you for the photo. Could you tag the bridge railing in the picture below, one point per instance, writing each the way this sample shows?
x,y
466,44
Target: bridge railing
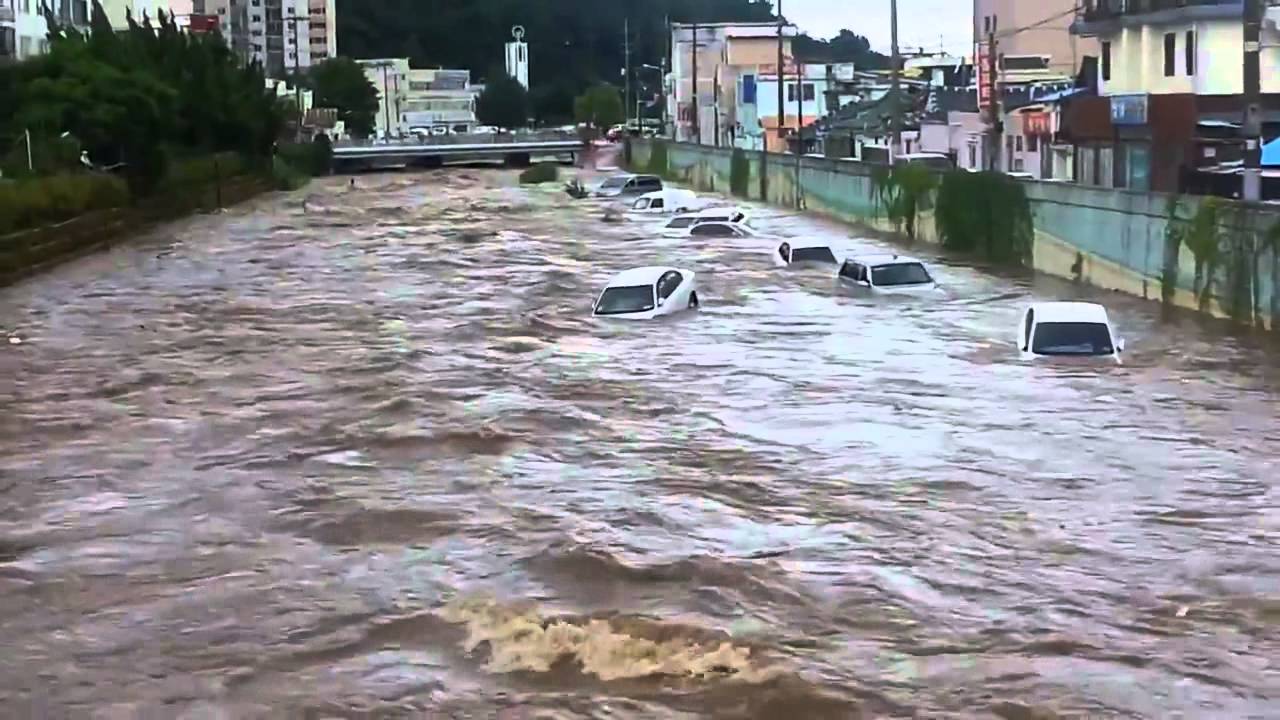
x,y
536,136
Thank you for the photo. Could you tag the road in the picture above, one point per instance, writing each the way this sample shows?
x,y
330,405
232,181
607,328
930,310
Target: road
x,y
372,458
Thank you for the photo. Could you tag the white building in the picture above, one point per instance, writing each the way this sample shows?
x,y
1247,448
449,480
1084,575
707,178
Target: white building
x,y
23,32
391,78
439,98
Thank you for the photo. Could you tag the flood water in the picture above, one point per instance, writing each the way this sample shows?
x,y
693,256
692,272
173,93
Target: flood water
x,y
373,458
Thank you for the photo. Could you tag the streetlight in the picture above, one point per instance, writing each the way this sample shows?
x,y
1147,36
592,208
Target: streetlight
x,y
662,84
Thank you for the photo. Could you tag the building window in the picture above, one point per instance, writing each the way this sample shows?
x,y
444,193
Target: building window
x,y
1191,52
1106,61
1033,143
810,93
1018,143
1170,53
973,155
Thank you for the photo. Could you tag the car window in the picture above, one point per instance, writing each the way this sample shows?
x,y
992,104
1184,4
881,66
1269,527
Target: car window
x,y
739,217
785,251
649,184
614,182
1072,338
900,274
668,283
681,222
813,254
851,270
640,204
619,300
658,204
712,230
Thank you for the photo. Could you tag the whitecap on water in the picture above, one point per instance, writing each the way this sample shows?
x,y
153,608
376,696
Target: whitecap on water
x,y
523,640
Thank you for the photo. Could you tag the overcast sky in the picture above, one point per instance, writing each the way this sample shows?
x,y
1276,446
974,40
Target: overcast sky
x,y
927,23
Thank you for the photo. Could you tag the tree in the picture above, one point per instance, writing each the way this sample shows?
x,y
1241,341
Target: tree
x,y
504,102
340,83
600,106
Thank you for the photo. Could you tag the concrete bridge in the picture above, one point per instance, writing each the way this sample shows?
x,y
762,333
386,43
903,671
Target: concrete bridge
x,y
512,148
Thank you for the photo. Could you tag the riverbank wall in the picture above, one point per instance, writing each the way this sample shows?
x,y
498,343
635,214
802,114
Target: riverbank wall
x,y
27,252
1138,243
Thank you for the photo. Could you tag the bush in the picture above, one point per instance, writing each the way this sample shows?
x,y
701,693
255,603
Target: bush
x,y
199,172
658,158
986,214
285,176
540,173
42,201
313,158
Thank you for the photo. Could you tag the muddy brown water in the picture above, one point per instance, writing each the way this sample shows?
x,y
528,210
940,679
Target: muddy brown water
x,y
374,459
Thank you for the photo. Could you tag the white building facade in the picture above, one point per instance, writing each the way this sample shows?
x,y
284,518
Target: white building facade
x,y
439,98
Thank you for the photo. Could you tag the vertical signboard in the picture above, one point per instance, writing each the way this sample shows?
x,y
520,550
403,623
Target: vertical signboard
x,y
984,77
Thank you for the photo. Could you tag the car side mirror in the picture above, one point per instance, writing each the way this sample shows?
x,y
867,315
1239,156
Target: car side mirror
x,y
1120,345
661,301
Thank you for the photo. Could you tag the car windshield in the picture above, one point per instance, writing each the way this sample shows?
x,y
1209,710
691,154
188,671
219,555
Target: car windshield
x,y
1072,338
902,274
641,204
813,254
681,222
614,183
713,230
619,300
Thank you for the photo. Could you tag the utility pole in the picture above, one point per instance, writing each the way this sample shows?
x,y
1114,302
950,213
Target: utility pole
x,y
626,44
895,120
666,63
800,107
782,78
31,166
993,103
1251,128
697,121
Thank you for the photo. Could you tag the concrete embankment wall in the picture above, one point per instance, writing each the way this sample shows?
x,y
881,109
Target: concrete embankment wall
x,y
29,251
1111,239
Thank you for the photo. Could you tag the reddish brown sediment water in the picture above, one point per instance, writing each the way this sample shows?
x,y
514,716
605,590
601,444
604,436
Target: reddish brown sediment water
x,y
373,458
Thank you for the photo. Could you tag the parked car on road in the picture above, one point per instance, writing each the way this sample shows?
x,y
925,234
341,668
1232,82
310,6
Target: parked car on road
x,y
647,292
888,274
803,252
627,185
1061,329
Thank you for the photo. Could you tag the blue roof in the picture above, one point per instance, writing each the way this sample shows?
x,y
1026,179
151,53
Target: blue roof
x,y
1060,95
1271,153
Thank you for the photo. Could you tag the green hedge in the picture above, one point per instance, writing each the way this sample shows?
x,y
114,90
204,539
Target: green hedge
x,y
740,173
43,201
986,214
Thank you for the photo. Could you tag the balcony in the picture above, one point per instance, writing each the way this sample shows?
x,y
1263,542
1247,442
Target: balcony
x,y
1106,17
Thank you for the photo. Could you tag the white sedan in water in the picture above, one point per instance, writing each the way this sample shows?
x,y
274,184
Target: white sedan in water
x,y
1068,329
803,252
648,292
888,275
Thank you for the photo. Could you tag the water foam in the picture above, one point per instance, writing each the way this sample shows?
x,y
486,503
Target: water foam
x,y
522,640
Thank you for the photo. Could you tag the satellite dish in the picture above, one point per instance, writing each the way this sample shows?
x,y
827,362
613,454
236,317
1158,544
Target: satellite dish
x,y
517,32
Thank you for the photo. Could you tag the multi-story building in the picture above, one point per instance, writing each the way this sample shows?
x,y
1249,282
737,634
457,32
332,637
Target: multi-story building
x,y
730,60
439,98
323,30
391,78
1170,80
8,31
1032,28
23,31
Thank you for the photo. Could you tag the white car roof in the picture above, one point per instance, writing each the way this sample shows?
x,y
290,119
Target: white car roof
x,y
1069,312
719,212
882,259
647,275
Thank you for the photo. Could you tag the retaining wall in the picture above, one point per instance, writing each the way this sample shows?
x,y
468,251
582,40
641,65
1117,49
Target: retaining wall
x,y
1111,239
29,251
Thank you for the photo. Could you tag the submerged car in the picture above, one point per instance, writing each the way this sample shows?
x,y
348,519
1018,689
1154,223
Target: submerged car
x,y
682,222
648,292
1063,329
888,274
721,229
626,185
803,252
669,200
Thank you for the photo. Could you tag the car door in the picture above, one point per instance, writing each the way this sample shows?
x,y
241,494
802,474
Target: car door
x,y
666,289
851,272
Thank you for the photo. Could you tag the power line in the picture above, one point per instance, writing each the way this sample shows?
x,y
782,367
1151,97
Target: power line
x,y
1036,25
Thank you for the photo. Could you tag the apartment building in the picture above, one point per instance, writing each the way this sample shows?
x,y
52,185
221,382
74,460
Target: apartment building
x,y
439,98
1170,79
1033,28
23,31
731,59
391,78
323,30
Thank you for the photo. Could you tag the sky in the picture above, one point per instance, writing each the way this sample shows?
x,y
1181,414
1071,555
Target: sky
x,y
921,23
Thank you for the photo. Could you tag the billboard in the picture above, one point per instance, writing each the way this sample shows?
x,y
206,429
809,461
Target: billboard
x,y
984,77
204,24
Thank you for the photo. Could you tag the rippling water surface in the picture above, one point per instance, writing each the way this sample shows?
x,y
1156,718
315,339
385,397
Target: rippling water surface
x,y
373,457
